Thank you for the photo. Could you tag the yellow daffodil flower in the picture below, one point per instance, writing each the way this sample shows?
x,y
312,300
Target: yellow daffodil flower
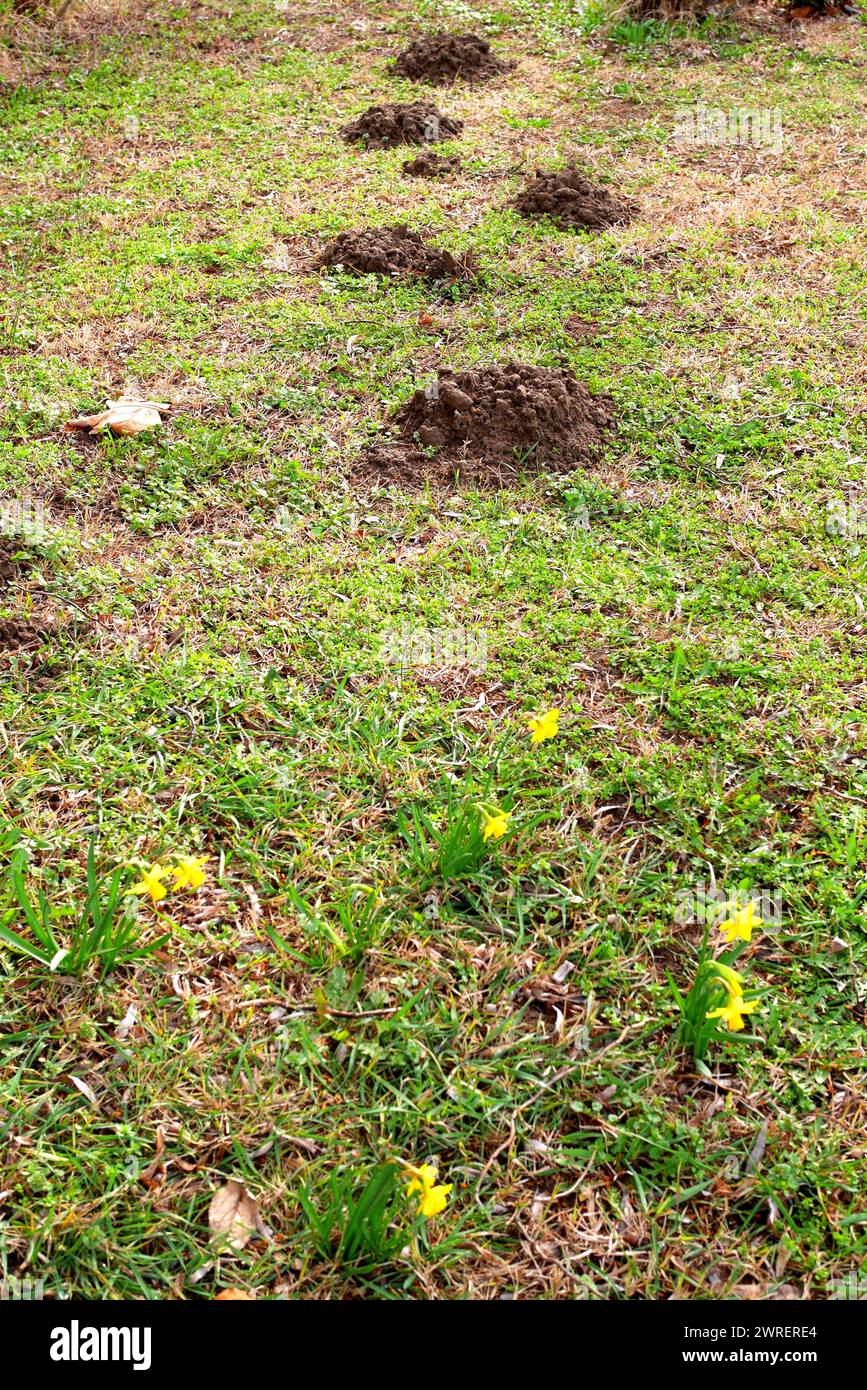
x,y
496,823
740,926
432,1196
189,872
544,726
733,1011
151,883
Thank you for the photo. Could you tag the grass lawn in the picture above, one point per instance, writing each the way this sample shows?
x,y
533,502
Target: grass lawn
x,y
208,670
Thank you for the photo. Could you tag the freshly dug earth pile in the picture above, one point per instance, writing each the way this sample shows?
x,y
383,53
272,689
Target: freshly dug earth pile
x,y
428,165
9,565
386,127
444,58
16,633
396,251
493,421
817,9
571,200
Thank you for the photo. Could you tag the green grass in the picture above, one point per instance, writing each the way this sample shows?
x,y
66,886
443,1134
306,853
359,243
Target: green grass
x,y
361,980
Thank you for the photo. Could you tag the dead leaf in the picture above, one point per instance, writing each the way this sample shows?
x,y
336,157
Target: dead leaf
x,y
149,1174
229,1294
279,260
127,1023
83,1087
757,1152
234,1214
122,417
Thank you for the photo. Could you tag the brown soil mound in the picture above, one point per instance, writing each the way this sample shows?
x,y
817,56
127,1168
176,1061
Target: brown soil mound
x,y
9,564
396,251
570,200
431,166
493,422
385,127
16,633
817,9
444,58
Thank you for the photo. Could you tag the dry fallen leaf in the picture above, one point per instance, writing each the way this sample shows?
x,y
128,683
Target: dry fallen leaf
x,y
122,417
230,1294
127,1023
83,1087
148,1176
279,260
234,1214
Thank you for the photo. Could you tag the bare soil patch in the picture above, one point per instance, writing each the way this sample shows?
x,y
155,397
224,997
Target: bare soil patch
x,y
580,329
396,251
386,127
429,165
445,58
572,201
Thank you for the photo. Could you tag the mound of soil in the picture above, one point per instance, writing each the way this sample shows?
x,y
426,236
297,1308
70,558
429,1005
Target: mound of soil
x,y
431,166
386,127
817,9
9,564
493,421
17,632
396,251
443,58
571,200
